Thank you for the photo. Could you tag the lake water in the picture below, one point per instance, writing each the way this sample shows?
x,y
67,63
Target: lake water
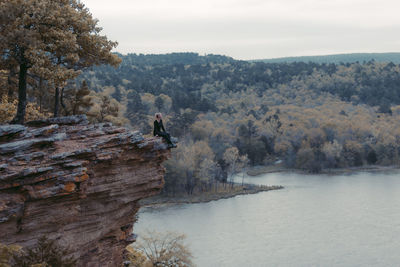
x,y
317,220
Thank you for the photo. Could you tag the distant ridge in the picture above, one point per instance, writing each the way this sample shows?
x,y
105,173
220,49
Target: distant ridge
x,y
186,58
338,58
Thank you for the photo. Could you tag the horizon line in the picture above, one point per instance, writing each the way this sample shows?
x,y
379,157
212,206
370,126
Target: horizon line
x,y
269,58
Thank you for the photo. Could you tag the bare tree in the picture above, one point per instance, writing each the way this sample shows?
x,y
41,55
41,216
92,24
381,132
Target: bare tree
x,y
164,249
235,163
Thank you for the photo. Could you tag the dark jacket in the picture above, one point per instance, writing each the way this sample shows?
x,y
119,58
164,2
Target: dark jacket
x,y
158,127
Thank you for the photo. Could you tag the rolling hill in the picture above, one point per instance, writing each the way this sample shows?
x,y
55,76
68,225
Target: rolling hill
x,y
338,58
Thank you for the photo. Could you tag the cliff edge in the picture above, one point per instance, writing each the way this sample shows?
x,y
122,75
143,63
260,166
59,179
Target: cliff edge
x,y
77,183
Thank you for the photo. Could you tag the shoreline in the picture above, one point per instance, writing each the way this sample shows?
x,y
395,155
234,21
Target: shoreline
x,y
260,170
160,201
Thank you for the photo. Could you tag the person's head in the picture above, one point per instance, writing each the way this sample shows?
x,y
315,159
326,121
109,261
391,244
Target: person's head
x,y
158,116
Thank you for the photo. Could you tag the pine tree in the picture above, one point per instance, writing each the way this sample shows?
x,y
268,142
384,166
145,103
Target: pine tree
x,y
159,103
117,94
76,100
53,39
135,104
82,102
107,108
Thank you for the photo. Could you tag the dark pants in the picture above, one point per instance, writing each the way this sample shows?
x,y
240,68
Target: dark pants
x,y
166,136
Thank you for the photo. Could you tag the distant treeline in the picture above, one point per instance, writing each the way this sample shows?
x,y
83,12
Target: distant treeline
x,y
371,83
339,58
173,58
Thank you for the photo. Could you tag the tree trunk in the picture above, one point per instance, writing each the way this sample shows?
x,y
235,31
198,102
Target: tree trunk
x,y
20,116
40,93
56,102
62,102
10,92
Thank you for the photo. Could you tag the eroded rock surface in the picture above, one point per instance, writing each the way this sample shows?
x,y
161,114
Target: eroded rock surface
x,y
77,183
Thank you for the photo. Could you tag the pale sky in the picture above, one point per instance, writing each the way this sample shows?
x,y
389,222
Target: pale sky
x,y
250,29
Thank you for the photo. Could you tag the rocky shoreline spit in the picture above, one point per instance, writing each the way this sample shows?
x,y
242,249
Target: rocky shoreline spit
x,y
162,200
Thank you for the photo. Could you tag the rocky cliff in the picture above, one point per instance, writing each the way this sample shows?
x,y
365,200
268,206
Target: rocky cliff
x,y
77,183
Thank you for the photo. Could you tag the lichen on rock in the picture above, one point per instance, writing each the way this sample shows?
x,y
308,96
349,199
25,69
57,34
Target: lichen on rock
x,y
77,183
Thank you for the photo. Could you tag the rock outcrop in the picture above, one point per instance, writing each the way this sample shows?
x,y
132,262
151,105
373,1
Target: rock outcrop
x,y
77,183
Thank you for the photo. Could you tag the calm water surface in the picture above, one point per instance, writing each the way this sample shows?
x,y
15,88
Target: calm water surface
x,y
317,220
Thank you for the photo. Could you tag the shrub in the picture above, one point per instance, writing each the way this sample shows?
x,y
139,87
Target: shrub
x,y
45,253
159,250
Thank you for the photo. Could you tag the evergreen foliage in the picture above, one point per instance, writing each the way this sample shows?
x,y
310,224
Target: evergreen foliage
x,y
50,40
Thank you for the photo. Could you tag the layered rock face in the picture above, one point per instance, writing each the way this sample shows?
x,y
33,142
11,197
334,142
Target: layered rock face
x,y
77,183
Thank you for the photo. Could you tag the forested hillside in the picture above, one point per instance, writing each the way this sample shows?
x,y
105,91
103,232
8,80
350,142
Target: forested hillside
x,y
229,114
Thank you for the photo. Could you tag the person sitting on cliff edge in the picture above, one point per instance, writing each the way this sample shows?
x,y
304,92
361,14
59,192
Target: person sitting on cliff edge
x,y
159,130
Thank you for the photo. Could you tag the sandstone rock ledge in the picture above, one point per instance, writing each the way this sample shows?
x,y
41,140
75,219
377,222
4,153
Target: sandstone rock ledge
x,y
78,183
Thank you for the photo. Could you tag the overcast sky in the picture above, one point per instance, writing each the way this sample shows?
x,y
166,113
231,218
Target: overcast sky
x,y
250,29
